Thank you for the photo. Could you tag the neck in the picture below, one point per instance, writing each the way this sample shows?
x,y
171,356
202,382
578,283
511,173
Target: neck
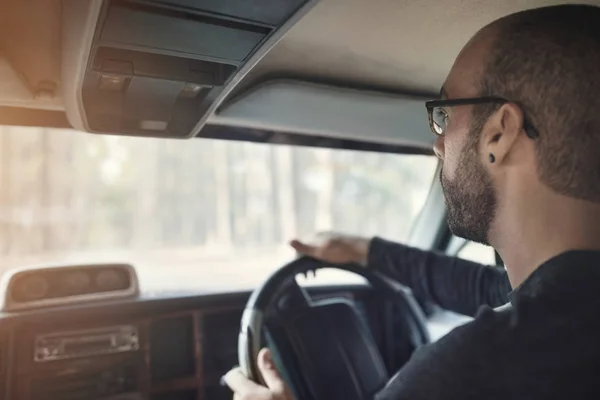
x,y
541,227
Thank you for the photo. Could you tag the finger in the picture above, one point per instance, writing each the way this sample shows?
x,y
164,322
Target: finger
x,y
238,382
269,373
303,248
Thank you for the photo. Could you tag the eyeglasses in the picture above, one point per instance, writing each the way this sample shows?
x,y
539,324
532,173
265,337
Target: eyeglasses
x,y
438,117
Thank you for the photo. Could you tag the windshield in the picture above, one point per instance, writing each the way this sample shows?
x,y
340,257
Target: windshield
x,y
192,214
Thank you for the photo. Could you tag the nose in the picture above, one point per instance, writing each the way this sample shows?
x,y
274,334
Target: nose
x,y
438,147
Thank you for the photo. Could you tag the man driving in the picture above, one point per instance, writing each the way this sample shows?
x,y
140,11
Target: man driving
x,y
519,138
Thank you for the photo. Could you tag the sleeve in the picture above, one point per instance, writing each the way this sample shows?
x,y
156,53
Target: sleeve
x,y
452,283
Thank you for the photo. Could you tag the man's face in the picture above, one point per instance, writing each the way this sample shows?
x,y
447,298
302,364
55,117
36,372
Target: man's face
x,y
469,192
469,195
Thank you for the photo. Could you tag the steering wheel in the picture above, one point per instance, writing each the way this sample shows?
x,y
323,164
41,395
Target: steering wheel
x,y
322,348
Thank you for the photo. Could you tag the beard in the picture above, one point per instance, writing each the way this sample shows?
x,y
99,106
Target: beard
x,y
470,197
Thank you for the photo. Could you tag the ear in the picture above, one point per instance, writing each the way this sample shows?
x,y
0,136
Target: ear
x,y
501,132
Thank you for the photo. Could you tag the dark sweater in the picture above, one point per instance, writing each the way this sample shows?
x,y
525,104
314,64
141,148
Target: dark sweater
x,y
545,346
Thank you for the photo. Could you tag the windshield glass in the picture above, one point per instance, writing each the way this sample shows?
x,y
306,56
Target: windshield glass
x,y
192,214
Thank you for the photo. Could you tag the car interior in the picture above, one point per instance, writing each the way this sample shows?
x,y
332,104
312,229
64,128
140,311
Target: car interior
x,y
157,156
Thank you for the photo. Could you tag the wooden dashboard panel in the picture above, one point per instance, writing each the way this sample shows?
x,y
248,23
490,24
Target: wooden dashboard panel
x,y
27,373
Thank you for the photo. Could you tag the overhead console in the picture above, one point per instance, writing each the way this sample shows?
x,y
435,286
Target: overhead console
x,y
159,68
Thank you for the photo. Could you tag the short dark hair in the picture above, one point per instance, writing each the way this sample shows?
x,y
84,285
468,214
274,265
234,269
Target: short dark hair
x,y
548,59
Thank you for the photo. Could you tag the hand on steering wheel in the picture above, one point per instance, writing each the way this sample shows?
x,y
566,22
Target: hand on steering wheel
x,y
244,389
335,248
326,246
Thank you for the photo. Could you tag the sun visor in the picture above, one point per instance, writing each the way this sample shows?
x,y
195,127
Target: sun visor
x,y
158,68
328,111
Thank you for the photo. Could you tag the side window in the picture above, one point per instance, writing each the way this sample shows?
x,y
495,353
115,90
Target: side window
x,y
478,253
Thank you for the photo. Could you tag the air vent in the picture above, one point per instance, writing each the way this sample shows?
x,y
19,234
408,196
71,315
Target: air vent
x,y
90,385
220,336
51,286
172,352
219,353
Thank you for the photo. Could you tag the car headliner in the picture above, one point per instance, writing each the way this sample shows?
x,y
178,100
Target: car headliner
x,y
395,45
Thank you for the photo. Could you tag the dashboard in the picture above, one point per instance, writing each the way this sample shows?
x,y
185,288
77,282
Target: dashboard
x,y
159,348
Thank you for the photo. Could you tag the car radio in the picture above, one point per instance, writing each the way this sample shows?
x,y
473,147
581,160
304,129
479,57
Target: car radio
x,y
85,343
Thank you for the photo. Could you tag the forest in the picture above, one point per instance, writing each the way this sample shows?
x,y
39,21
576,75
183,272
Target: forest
x,y
65,193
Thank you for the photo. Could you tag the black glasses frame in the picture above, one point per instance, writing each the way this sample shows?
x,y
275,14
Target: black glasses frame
x,y
431,105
